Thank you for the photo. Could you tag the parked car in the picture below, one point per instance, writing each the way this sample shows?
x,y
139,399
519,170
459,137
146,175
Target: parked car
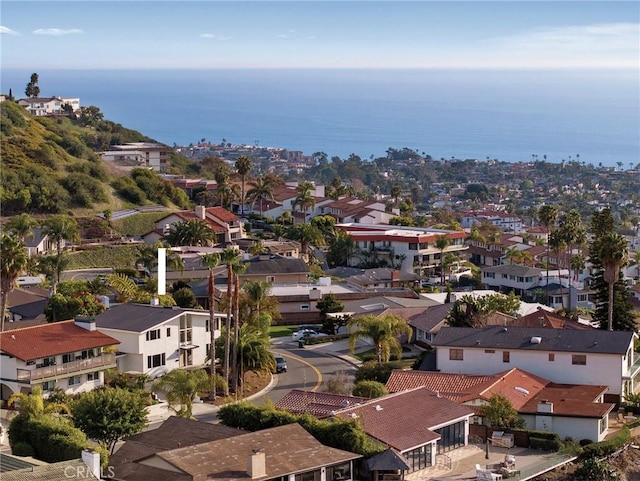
x,y
306,333
281,364
310,327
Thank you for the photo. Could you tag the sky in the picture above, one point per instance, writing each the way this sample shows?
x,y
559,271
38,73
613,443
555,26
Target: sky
x,y
161,34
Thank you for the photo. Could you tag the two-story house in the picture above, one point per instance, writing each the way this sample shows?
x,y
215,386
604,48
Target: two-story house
x,y
69,355
43,106
154,340
590,357
138,154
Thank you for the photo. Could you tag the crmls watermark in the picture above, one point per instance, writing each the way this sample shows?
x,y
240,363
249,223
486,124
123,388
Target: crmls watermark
x,y
84,472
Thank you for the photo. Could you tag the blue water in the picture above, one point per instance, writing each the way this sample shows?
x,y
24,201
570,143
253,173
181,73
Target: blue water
x,y
507,115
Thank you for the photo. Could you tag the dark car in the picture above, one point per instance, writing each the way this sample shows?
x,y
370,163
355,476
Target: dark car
x,y
281,364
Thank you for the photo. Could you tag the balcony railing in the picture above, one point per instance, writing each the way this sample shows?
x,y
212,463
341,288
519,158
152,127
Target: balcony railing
x,y
78,365
633,370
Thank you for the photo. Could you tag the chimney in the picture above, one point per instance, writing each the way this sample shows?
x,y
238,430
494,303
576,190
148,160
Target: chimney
x,y
545,406
86,322
154,301
395,275
257,467
201,212
315,294
92,459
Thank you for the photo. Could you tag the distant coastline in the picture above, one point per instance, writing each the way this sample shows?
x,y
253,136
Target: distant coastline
x,y
504,115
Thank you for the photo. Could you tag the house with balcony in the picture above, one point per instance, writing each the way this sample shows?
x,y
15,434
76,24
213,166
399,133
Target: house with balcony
x,y
138,154
154,340
591,357
70,355
409,249
44,106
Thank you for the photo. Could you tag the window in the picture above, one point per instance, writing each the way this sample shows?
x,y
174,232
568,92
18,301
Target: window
x,y
520,279
489,351
93,376
48,386
506,356
74,380
456,354
552,357
413,246
156,360
309,476
153,335
168,332
271,278
304,307
419,458
68,358
451,437
604,423
579,360
338,472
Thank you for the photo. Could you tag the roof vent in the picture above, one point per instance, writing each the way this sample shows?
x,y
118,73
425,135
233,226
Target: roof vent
x,y
378,407
522,390
504,329
536,340
353,415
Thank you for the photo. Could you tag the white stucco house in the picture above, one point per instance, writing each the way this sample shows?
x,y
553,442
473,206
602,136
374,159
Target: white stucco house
x,y
155,340
69,355
42,106
138,154
590,357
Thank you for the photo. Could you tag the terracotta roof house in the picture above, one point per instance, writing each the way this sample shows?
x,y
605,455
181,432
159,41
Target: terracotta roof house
x,y
284,452
543,318
67,354
319,404
154,340
383,277
417,423
572,356
577,411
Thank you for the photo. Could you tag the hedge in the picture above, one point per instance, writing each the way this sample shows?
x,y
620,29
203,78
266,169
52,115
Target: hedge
x,y
597,450
545,444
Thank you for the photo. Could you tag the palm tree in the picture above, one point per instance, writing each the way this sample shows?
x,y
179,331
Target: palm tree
x,y
231,257
577,262
13,254
511,253
237,270
21,225
59,228
211,261
382,330
475,236
256,248
181,387
442,242
253,352
257,296
261,189
147,257
243,166
557,246
547,214
34,404
612,254
227,193
306,234
193,232
108,215
304,199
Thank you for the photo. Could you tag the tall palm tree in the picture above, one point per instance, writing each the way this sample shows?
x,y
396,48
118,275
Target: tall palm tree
x,y
231,257
382,330
13,254
211,261
306,234
253,352
442,242
511,253
147,257
243,167
21,225
557,245
193,232
547,214
304,199
257,292
577,262
612,254
181,387
227,193
237,270
59,228
261,190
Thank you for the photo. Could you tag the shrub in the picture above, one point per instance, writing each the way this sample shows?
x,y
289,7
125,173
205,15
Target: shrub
x,y
372,371
545,444
22,449
370,389
597,450
593,469
585,442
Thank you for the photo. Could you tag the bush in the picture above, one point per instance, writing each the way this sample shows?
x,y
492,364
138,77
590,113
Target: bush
x,y
370,389
598,450
593,469
22,449
585,442
372,371
545,444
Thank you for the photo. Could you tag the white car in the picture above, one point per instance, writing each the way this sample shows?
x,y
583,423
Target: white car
x,y
296,336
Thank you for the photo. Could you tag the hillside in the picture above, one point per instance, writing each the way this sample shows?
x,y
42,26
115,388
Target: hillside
x,y
50,165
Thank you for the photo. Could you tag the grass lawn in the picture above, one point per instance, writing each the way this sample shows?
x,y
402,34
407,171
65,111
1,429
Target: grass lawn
x,y
282,331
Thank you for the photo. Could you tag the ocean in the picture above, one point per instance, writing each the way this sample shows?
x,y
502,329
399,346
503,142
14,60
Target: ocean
x,y
593,116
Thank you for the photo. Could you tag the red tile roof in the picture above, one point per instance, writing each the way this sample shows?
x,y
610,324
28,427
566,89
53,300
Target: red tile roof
x,y
543,318
404,420
222,214
453,386
188,215
51,339
570,400
319,404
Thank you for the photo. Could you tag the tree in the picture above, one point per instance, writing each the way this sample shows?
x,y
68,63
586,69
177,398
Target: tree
x,y
382,330
211,261
557,245
258,300
261,190
90,116
21,225
547,214
304,199
185,298
62,307
468,311
60,228
227,193
194,232
501,413
34,404
243,167
370,389
181,387
612,254
108,415
593,468
442,242
32,90
341,249
13,254
330,304
306,234
231,257
238,269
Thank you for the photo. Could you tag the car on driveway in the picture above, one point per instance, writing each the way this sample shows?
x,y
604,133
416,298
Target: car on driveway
x,y
306,334
281,364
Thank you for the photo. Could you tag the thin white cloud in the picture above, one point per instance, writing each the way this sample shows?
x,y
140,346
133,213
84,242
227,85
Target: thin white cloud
x,y
214,36
7,31
57,32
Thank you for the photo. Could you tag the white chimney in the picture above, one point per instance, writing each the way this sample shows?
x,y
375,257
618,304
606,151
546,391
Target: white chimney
x,y
315,294
92,459
257,467
86,322
545,406
536,340
154,301
201,212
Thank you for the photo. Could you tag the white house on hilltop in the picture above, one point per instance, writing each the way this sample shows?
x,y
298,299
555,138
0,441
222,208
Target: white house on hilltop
x,y
49,105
